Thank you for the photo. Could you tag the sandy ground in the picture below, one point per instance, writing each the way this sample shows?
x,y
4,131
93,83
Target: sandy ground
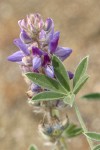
x,y
79,24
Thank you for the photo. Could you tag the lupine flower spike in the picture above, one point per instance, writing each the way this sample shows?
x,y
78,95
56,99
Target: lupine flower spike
x,y
36,44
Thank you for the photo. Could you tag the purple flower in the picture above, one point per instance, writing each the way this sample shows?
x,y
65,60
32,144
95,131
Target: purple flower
x,y
49,24
42,35
37,43
63,52
71,75
24,37
32,24
37,51
35,88
49,36
54,42
49,71
16,57
36,62
46,60
21,46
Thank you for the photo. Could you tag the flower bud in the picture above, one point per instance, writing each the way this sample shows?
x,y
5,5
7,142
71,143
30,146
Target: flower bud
x,y
48,24
36,62
24,37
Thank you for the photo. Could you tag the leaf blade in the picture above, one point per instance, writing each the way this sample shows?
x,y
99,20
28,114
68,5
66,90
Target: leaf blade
x,y
45,96
92,96
61,72
80,70
46,82
93,135
72,130
97,147
80,83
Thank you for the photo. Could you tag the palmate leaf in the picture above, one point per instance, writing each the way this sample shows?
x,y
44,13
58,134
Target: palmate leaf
x,y
97,147
81,70
69,99
46,96
46,82
61,73
92,96
33,147
72,130
93,136
80,83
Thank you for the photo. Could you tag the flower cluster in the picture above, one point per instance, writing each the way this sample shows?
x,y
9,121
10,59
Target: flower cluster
x,y
55,128
37,43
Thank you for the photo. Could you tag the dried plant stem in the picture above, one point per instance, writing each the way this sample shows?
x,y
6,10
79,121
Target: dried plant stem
x,y
63,143
82,124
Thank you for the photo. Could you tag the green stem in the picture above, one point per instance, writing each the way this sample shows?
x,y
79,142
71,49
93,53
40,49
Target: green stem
x,y
63,143
82,124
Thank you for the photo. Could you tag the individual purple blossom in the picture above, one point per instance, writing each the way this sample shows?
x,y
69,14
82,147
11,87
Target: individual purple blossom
x,y
37,51
54,42
48,24
46,60
36,62
35,88
63,52
71,75
21,46
16,57
49,71
24,37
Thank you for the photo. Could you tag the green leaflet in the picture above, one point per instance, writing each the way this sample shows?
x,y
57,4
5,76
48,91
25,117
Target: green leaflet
x,y
80,83
97,147
46,96
33,147
92,96
81,70
46,82
93,135
72,131
61,73
69,99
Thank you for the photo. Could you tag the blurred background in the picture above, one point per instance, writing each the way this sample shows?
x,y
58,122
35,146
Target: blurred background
x,y
79,24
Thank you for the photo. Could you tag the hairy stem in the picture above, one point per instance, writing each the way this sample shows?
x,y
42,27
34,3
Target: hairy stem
x,y
61,144
82,124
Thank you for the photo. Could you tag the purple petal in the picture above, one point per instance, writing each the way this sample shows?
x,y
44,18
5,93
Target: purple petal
x,y
36,62
16,57
24,37
49,71
54,42
38,21
42,35
49,24
22,23
49,35
71,75
35,88
63,52
21,46
46,60
37,51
